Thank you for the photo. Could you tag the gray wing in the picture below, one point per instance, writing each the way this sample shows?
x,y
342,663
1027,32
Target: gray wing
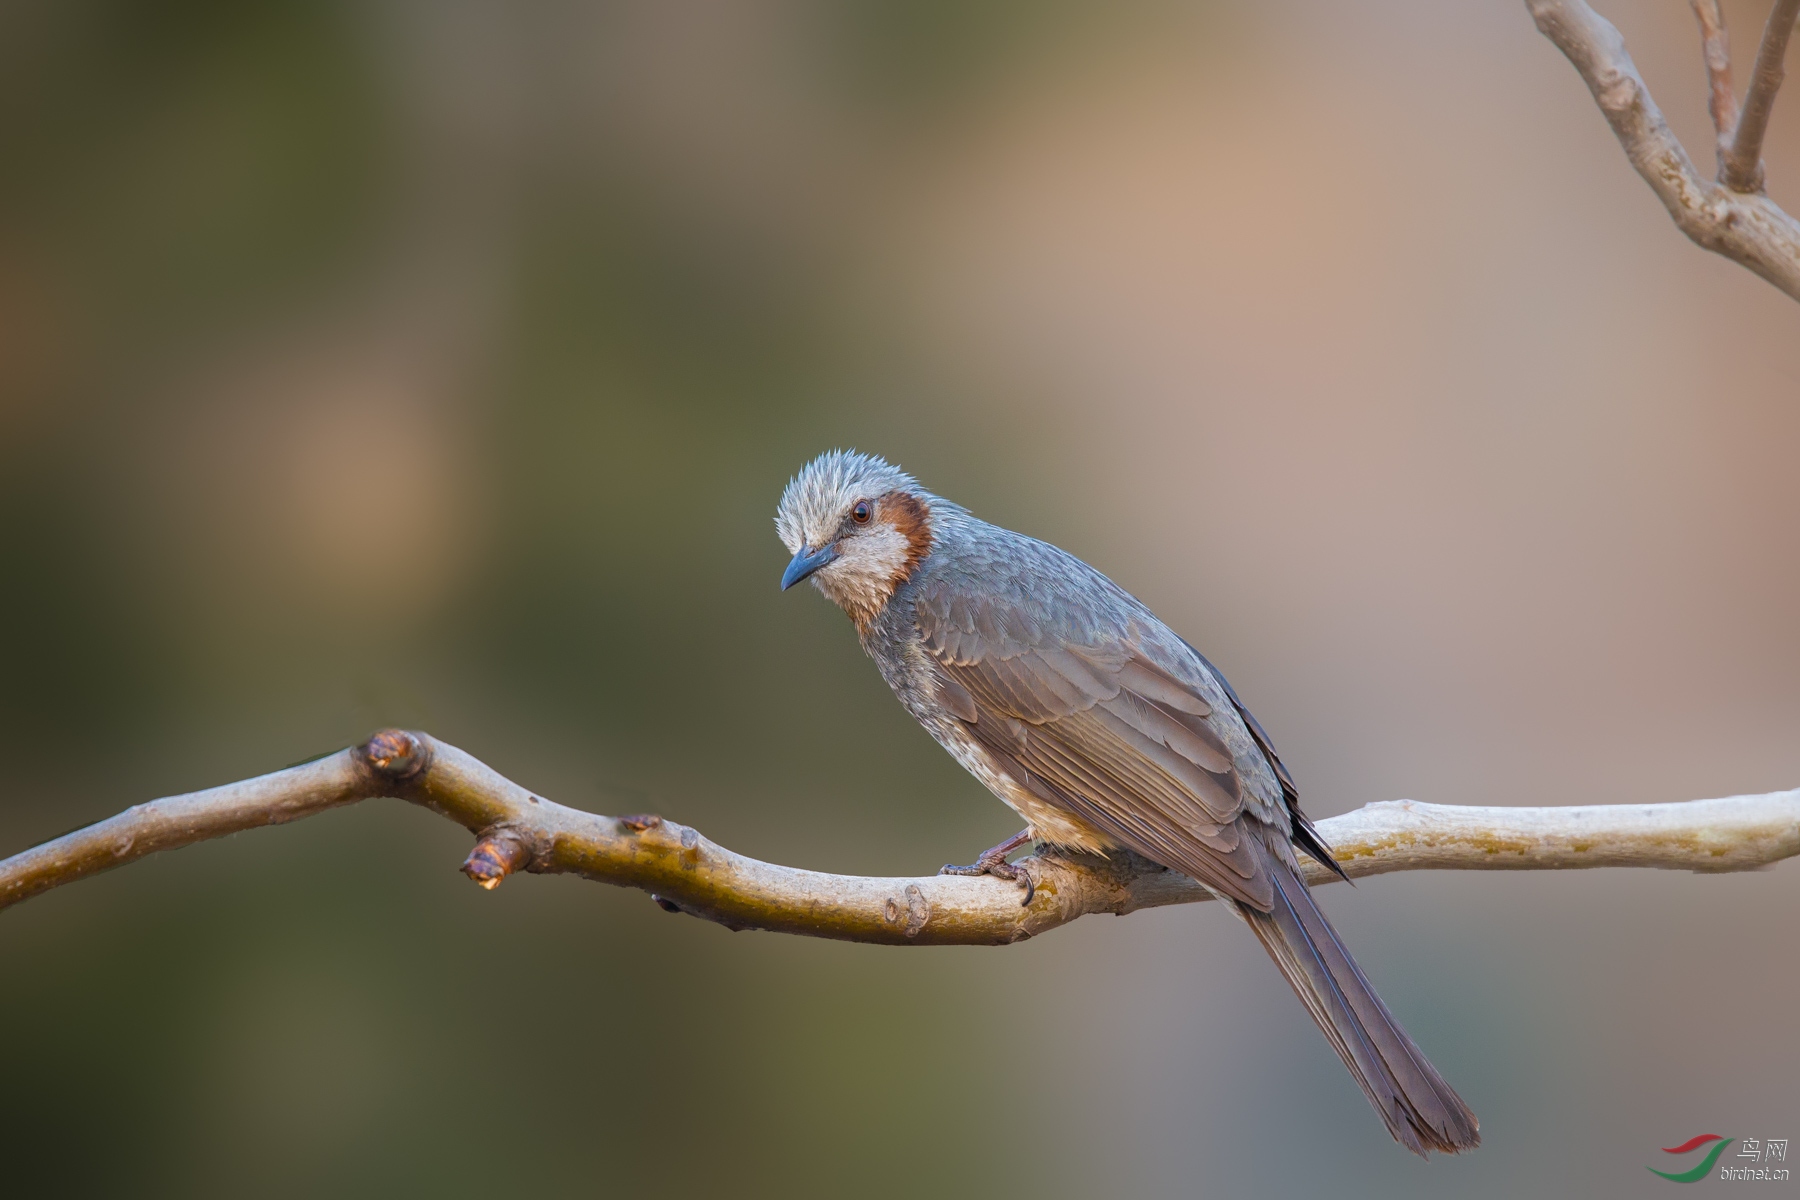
x,y
1100,716
1301,829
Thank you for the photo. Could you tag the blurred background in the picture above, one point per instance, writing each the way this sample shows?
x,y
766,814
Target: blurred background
x,y
440,364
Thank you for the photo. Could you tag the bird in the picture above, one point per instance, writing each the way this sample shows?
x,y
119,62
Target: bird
x,y
1104,730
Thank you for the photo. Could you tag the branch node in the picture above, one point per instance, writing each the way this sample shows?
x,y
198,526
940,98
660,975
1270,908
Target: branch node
x,y
916,911
638,822
395,755
497,855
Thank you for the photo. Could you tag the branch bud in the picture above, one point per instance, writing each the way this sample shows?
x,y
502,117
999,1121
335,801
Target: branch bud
x,y
395,755
497,855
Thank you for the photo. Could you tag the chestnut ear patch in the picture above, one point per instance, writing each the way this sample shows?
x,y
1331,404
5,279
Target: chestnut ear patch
x,y
912,520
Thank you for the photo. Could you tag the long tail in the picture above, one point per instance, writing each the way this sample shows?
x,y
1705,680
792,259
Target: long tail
x,y
1421,1110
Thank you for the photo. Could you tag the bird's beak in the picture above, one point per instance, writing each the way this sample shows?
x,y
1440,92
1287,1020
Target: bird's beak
x,y
806,563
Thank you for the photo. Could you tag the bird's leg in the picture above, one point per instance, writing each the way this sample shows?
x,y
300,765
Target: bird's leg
x,y
993,862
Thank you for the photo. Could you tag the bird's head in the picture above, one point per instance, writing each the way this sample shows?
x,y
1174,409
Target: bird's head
x,y
856,526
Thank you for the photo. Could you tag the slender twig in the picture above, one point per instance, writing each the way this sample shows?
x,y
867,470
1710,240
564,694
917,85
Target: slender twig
x,y
1742,170
1746,228
1715,47
684,872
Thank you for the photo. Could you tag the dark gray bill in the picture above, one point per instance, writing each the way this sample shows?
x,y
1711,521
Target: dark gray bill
x,y
805,564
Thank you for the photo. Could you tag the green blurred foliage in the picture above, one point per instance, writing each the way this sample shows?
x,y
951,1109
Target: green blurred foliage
x,y
332,1009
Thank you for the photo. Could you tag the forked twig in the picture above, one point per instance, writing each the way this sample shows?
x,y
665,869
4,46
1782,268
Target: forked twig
x,y
1741,167
1743,226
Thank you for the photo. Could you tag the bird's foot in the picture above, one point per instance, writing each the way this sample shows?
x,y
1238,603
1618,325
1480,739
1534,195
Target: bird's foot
x,y
993,862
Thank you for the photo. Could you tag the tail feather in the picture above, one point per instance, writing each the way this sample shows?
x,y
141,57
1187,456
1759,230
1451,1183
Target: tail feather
x,y
1420,1109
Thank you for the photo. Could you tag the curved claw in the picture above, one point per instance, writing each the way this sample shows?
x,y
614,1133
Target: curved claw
x,y
1024,872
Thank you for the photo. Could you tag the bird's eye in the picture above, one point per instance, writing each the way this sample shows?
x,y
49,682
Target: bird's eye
x,y
860,514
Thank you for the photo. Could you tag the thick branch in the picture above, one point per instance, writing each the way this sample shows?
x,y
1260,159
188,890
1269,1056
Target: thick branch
x,y
517,830
1741,168
1747,229
1715,47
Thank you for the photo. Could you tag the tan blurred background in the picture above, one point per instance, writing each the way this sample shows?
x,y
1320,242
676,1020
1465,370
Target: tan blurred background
x,y
441,363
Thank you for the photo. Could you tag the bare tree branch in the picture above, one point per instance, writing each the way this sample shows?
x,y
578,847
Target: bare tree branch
x,y
1715,47
1746,228
684,872
1741,168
